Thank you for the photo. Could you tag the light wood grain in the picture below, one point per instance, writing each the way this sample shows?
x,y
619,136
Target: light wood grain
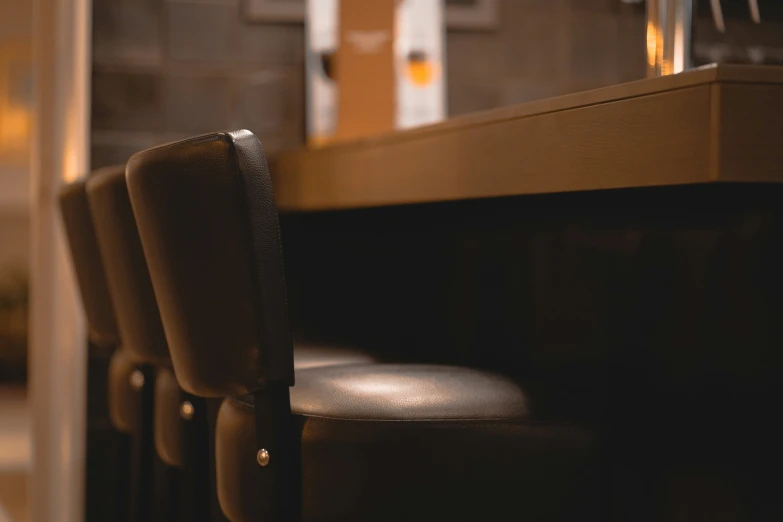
x,y
750,131
698,127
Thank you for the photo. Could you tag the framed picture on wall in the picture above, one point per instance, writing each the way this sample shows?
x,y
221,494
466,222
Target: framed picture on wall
x,y
460,14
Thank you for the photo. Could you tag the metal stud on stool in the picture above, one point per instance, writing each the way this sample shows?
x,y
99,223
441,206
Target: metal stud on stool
x,y
187,410
262,457
137,380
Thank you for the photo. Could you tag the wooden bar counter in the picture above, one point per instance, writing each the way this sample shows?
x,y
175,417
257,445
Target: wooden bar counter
x,y
702,126
618,251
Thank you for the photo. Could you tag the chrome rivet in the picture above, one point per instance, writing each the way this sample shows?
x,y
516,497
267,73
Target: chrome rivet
x,y
137,380
262,457
187,410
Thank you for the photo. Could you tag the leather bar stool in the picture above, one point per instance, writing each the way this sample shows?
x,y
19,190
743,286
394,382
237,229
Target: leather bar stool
x,y
358,442
124,399
90,275
104,338
178,486
182,434
171,409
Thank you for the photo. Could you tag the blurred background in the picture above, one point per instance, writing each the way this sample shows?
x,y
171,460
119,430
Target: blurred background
x,y
15,127
154,61
167,69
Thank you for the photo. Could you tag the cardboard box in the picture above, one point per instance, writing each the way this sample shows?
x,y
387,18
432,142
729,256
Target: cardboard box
x,y
373,67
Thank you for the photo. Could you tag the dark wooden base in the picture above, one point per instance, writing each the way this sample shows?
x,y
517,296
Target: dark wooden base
x,y
654,314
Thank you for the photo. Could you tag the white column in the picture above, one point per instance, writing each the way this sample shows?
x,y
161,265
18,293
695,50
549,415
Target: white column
x,y
57,340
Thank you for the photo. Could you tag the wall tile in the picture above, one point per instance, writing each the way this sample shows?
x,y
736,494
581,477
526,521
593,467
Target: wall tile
x,y
595,6
217,33
474,67
115,148
631,47
271,104
536,43
126,100
525,89
593,59
516,9
196,102
536,49
207,68
127,30
268,102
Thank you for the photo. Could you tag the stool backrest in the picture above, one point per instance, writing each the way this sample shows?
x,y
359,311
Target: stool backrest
x,y
208,223
126,269
88,265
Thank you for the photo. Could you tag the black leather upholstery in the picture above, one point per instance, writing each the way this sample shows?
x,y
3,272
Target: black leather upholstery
x,y
168,395
88,265
406,392
309,355
469,450
123,398
378,442
208,222
126,269
168,420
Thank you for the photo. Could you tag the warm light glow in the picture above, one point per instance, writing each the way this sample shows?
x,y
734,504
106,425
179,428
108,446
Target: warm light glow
x,y
655,56
73,166
15,124
71,170
421,72
15,113
679,41
652,43
668,36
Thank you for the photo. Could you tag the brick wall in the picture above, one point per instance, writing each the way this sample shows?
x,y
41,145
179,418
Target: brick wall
x,y
166,69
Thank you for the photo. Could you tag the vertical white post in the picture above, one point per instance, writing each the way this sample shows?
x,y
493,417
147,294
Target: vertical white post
x,y
57,340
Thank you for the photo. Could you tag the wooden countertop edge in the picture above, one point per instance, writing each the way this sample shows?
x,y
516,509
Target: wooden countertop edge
x,y
702,76
294,171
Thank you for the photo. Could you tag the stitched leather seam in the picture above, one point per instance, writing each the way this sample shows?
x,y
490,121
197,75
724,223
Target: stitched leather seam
x,y
194,139
270,334
258,313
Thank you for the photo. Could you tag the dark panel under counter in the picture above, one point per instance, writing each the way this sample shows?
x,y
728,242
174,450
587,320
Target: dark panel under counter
x,y
651,313
669,291
549,257
617,251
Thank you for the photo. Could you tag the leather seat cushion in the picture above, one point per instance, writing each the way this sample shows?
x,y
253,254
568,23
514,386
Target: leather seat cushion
x,y
406,392
309,355
168,394
392,442
123,398
168,420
